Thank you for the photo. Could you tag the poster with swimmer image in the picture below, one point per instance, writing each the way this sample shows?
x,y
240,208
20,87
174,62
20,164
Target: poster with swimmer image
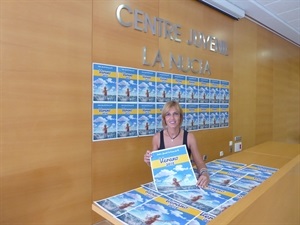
x,y
204,116
163,87
224,115
127,84
104,121
214,115
146,119
205,199
192,92
192,117
160,210
146,86
121,203
172,169
126,120
104,82
224,91
203,90
179,88
214,95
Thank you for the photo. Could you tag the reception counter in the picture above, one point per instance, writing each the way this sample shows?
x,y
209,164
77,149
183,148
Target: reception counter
x,y
275,201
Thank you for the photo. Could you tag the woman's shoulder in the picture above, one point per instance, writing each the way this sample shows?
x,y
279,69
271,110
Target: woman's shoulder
x,y
190,135
156,136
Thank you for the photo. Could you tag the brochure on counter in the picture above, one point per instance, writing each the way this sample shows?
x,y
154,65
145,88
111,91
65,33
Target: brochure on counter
x,y
172,169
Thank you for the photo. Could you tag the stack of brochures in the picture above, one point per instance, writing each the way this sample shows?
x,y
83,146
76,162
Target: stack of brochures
x,y
173,197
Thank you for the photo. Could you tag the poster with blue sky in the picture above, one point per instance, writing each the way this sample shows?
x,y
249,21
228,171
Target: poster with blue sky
x,y
146,86
214,116
192,117
160,210
204,90
224,115
126,120
119,204
205,199
179,88
214,89
127,84
192,92
146,119
172,170
104,82
104,121
204,116
224,91
163,87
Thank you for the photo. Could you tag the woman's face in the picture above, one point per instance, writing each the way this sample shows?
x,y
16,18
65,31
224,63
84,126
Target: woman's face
x,y
172,118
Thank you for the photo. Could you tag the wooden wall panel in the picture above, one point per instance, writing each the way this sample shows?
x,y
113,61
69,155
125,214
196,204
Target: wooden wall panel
x,y
244,81
264,87
50,168
116,44
286,92
45,112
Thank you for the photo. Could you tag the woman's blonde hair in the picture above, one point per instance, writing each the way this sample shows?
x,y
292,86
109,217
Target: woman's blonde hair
x,y
167,107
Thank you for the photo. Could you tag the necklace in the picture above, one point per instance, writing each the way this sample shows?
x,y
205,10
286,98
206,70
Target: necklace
x,y
172,139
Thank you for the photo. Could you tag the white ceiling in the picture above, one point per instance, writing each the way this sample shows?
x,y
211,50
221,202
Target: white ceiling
x,y
280,16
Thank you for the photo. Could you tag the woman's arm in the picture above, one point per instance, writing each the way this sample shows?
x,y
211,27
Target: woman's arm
x,y
155,145
203,178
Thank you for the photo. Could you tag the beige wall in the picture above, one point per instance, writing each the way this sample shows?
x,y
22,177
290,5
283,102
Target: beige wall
x,y
50,168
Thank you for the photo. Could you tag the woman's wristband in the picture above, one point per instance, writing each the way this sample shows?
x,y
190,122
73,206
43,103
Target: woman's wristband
x,y
202,171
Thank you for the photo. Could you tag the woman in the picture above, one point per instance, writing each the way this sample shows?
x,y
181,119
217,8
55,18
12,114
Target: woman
x,y
172,135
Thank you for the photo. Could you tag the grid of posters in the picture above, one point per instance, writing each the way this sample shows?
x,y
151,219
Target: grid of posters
x,y
154,203
126,101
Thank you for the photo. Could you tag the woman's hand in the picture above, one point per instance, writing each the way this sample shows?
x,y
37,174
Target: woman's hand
x,y
203,180
147,157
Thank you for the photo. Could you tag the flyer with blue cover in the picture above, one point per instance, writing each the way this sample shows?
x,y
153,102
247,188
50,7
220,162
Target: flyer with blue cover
x,y
121,203
160,210
205,199
172,169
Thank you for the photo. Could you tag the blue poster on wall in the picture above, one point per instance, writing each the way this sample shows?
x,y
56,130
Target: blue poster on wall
x,y
104,121
163,87
146,86
126,120
104,82
192,89
146,119
127,84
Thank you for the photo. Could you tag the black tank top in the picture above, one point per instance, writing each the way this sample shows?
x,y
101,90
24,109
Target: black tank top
x,y
162,142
